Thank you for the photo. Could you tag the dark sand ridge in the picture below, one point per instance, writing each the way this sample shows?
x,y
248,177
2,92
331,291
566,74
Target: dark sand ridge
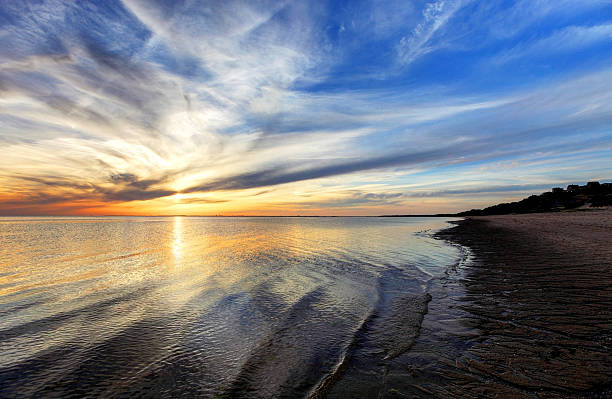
x,y
537,305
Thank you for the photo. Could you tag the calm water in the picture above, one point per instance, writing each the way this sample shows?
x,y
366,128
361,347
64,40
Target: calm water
x,y
208,307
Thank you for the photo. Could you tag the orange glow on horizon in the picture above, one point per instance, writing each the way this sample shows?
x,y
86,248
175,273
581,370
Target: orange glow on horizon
x,y
245,206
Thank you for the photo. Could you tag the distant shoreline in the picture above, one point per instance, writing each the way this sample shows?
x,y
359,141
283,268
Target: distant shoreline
x,y
234,216
439,215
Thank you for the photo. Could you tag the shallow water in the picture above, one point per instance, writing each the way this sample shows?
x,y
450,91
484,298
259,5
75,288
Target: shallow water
x,y
225,307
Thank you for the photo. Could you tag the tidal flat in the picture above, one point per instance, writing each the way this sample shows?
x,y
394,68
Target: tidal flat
x,y
538,294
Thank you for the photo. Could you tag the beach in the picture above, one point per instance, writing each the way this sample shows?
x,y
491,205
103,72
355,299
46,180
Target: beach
x,y
504,306
536,301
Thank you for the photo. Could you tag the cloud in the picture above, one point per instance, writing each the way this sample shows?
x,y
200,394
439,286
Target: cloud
x,y
134,181
482,190
353,199
506,22
275,176
418,42
134,194
127,187
571,38
551,122
202,201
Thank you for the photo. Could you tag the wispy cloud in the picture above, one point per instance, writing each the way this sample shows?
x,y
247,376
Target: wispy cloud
x,y
524,14
571,38
352,199
436,15
483,190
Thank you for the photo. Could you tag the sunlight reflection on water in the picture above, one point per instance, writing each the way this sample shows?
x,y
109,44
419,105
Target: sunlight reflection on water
x,y
196,306
177,242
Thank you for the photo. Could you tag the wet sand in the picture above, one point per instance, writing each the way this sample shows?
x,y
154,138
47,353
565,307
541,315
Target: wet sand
x,y
536,304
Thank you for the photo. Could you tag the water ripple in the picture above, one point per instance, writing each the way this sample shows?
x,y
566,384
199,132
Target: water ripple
x,y
197,307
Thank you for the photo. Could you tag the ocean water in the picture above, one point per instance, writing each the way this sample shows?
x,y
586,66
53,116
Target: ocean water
x,y
210,307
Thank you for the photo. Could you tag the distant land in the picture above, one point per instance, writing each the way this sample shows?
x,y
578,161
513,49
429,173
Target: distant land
x,y
593,194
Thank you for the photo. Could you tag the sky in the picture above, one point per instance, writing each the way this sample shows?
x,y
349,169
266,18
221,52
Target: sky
x,y
134,107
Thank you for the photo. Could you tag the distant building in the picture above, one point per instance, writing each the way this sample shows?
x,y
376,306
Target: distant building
x,y
593,184
557,190
573,187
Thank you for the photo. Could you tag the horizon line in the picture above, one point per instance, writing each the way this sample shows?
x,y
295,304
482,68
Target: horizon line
x,y
245,216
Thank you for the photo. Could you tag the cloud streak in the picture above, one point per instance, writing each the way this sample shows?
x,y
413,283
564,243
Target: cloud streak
x,y
271,177
568,39
436,15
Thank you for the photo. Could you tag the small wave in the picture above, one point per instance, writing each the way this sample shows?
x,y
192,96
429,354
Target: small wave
x,y
276,359
325,384
382,336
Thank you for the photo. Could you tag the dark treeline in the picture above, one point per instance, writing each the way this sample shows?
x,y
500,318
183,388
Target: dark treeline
x,y
559,199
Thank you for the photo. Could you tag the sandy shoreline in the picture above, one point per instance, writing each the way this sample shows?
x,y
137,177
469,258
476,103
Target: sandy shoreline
x,y
539,293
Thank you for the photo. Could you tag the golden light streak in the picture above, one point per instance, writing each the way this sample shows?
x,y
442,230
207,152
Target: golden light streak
x,y
177,240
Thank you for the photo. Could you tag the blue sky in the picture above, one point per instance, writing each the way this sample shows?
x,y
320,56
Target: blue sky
x,y
296,107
